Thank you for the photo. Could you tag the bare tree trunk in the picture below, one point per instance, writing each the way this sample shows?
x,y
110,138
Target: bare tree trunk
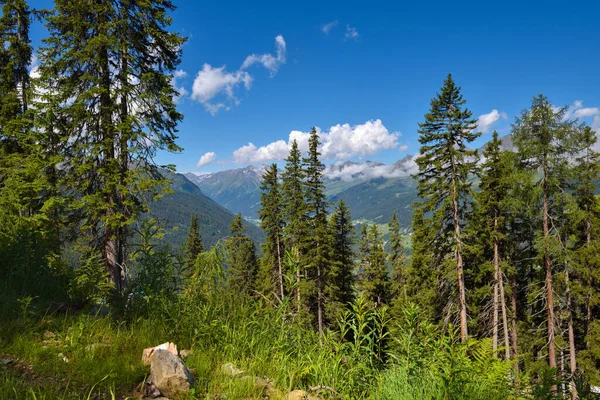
x,y
572,352
497,278
320,300
464,333
549,291
280,271
504,316
513,301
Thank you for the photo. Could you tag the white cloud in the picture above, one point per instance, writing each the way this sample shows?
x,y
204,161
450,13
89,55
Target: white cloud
x,y
596,124
403,148
212,82
347,171
270,62
351,33
178,75
486,121
329,26
586,112
206,159
341,142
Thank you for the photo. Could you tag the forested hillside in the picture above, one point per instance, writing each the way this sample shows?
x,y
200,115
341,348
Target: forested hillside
x,y
498,297
175,210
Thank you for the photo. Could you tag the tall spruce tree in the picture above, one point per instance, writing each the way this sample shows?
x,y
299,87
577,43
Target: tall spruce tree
x,y
491,209
294,211
342,281
544,140
587,248
106,69
397,262
272,223
20,168
193,243
318,245
242,260
445,165
374,279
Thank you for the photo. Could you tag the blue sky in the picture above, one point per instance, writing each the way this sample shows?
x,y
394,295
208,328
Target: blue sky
x,y
373,72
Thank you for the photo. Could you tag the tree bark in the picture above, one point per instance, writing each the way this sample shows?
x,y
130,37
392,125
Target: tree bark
x,y
464,333
513,301
504,315
549,291
572,352
280,271
496,288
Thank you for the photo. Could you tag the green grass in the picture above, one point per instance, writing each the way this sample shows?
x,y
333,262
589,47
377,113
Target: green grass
x,y
84,356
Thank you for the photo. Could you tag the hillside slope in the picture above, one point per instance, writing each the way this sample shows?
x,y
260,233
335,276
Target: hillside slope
x,y
174,212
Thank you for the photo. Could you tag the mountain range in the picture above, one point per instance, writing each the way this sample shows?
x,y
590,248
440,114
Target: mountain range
x,y
372,190
174,212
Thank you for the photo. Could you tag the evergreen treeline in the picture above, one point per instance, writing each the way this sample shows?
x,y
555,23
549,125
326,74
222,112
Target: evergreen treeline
x,y
505,246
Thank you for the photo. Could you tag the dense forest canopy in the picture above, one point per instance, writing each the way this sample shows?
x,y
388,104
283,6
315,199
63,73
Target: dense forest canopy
x,y
499,296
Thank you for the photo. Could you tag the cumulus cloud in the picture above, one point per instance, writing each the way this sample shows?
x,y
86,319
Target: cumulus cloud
x,y
486,121
177,77
351,33
349,171
340,142
329,26
216,82
207,158
269,61
403,148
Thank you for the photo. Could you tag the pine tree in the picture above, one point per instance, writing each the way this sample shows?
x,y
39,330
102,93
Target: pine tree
x,y
20,166
587,246
397,262
106,69
445,165
242,260
194,244
491,199
374,279
272,223
544,140
342,280
424,280
318,248
294,211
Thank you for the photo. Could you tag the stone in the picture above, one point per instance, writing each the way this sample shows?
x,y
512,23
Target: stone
x,y
169,373
231,370
185,353
297,395
300,395
147,353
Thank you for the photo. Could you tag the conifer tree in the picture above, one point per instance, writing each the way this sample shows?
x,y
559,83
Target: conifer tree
x,y
397,261
587,246
424,280
106,71
194,244
20,167
544,139
445,165
272,223
342,232
374,279
491,206
242,260
294,211
318,248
